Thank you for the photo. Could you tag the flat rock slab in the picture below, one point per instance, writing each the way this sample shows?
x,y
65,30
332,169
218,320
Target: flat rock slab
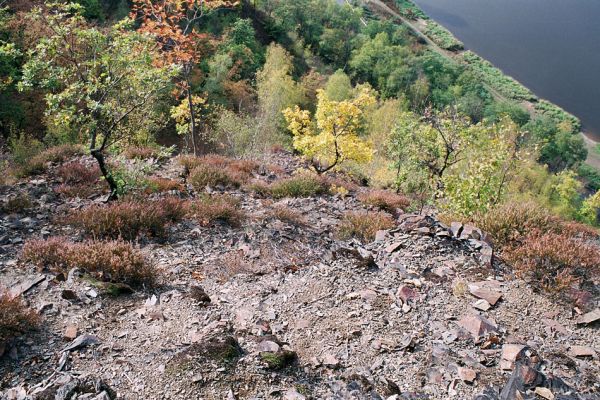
x,y
477,325
590,317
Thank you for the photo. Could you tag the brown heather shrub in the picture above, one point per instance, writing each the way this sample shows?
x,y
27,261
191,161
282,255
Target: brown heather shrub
x,y
76,172
57,154
385,200
141,152
364,225
555,261
300,185
61,153
129,219
208,175
286,214
511,223
111,261
157,184
15,318
210,209
16,204
242,169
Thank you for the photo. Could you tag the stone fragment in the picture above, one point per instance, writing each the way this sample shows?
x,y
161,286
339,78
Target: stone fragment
x,y
70,332
544,393
477,325
268,346
406,293
25,286
482,305
330,361
481,292
393,247
581,351
590,317
199,295
510,352
467,374
82,341
456,228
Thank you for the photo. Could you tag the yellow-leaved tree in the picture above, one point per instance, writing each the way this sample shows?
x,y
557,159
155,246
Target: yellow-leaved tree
x,y
334,136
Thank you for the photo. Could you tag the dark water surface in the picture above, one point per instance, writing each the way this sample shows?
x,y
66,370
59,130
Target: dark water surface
x,y
551,46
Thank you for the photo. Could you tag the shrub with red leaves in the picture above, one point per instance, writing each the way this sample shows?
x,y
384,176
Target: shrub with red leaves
x,y
111,261
556,261
224,208
364,225
129,219
15,318
385,200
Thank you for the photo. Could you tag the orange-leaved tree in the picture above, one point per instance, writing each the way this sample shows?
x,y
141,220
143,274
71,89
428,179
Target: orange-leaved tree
x,y
173,23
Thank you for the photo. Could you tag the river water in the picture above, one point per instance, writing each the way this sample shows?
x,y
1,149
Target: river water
x,y
551,46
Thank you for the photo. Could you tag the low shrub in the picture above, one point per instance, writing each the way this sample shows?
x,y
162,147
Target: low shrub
x,y
385,200
510,223
555,261
210,209
157,184
207,175
141,152
301,185
364,225
15,318
111,261
76,172
16,204
37,164
287,215
129,219
243,169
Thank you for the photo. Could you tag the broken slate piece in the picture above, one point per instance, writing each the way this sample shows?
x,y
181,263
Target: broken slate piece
x,y
590,317
82,341
477,325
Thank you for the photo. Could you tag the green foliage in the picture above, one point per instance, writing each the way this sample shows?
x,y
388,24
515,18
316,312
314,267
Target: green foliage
x,y
491,75
496,110
442,37
385,65
338,86
559,115
408,9
465,167
301,185
106,92
590,177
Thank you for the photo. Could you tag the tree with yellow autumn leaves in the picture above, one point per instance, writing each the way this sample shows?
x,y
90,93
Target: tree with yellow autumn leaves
x,y
333,137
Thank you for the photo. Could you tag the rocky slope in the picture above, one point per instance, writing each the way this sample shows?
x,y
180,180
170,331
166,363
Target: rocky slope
x,y
284,309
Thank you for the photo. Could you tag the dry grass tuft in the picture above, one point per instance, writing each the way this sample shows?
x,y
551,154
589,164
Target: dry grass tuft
x,y
210,209
16,204
287,215
129,219
157,184
207,175
301,185
555,261
38,163
15,318
141,152
111,261
385,200
364,225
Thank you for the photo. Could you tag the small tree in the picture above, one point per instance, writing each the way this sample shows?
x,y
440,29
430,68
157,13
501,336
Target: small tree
x,y
338,124
172,23
101,84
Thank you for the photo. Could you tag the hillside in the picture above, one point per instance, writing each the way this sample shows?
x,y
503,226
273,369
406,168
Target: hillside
x,y
281,307
294,200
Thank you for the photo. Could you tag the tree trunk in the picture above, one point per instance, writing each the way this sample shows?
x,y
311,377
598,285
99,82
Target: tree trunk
x,y
192,112
97,154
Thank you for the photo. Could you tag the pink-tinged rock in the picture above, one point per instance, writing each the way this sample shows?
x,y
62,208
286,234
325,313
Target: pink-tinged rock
x,y
477,325
544,393
267,346
467,374
489,295
393,247
406,293
590,317
582,351
510,352
481,304
70,332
